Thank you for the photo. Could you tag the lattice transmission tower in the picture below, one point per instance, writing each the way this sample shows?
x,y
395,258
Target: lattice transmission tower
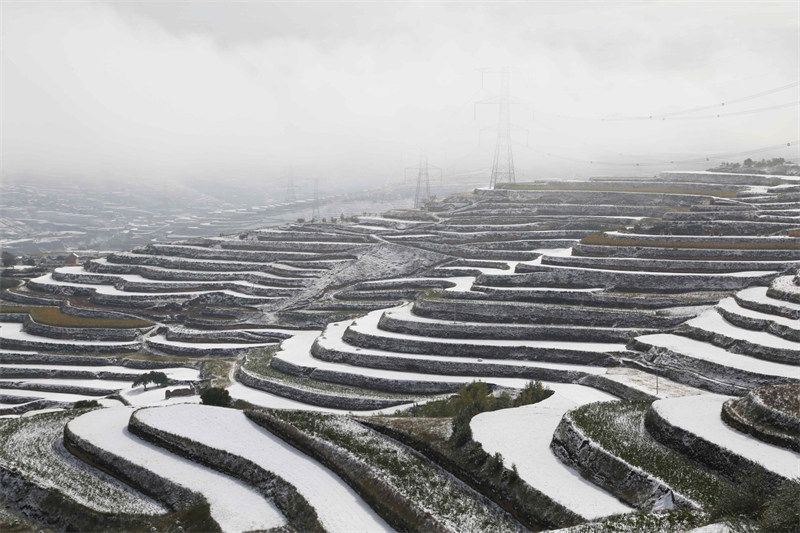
x,y
291,188
423,195
503,164
315,209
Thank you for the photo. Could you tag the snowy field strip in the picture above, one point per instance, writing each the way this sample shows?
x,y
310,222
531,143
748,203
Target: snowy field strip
x,y
298,353
729,304
759,295
536,290
189,249
651,383
166,259
234,505
177,373
231,273
368,324
141,280
332,338
339,508
52,396
98,384
140,397
737,274
711,320
700,415
160,340
406,314
714,354
523,434
704,238
13,331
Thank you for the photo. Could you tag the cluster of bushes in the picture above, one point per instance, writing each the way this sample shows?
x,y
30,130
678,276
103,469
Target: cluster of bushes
x,y
474,398
477,397
749,163
752,505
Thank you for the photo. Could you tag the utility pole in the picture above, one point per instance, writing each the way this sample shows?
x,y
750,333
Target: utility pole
x,y
315,210
503,165
423,195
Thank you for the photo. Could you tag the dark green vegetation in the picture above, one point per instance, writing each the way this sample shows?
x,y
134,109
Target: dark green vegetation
x,y
53,316
216,396
85,404
8,259
476,397
618,427
657,522
158,378
9,283
751,506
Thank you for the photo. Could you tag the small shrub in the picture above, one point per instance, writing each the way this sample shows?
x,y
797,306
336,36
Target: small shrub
x,y
216,396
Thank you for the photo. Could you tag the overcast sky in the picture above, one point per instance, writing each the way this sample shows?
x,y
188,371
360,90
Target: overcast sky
x,y
350,92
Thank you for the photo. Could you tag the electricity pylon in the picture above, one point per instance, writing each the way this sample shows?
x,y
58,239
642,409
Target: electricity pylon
x,y
291,189
423,195
315,210
503,165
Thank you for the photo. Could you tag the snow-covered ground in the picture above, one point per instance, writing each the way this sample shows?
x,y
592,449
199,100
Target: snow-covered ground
x,y
714,354
14,331
177,373
339,508
161,340
523,434
368,324
759,295
711,320
332,338
700,415
234,505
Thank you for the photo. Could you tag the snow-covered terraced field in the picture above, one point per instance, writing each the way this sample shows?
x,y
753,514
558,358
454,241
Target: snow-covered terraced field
x,y
338,506
601,290
700,416
107,430
33,447
523,434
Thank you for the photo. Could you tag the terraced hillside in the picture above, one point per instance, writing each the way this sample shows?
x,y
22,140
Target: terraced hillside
x,y
665,307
